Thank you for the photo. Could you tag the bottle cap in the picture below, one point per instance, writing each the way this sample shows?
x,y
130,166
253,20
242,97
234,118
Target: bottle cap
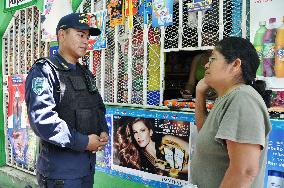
x,y
272,20
262,23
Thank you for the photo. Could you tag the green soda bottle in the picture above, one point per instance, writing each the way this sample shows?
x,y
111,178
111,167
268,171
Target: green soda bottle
x,y
258,44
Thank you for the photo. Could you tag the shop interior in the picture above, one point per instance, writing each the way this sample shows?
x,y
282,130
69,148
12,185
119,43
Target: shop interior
x,y
178,69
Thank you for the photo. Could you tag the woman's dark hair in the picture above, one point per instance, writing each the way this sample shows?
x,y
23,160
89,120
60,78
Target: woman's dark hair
x,y
235,47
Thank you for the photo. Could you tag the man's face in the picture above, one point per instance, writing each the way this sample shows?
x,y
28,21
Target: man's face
x,y
74,42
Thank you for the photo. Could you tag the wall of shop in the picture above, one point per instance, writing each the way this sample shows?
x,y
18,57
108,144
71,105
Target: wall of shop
x,y
11,177
119,64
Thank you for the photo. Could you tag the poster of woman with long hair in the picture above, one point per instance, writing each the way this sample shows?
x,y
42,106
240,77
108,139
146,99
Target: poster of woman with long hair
x,y
151,145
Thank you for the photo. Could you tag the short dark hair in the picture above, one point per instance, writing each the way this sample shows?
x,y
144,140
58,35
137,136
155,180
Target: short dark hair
x,y
66,30
236,47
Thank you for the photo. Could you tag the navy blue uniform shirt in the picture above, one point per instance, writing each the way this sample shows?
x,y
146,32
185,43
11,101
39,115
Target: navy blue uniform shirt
x,y
69,160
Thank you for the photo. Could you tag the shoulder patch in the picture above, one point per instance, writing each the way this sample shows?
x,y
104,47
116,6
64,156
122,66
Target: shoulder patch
x,y
38,84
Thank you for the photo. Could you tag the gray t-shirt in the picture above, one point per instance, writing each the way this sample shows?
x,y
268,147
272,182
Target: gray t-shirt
x,y
240,116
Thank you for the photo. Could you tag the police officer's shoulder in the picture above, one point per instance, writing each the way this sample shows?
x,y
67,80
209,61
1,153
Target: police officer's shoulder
x,y
41,60
42,64
45,62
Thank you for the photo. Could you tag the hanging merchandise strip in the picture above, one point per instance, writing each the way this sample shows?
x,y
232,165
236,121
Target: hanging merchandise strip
x,y
116,12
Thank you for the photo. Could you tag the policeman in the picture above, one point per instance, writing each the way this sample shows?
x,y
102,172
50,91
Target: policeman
x,y
65,109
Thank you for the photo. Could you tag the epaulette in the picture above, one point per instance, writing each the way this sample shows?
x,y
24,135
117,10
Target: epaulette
x,y
42,60
45,60
52,62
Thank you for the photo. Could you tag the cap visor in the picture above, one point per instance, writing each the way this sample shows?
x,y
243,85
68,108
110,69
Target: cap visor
x,y
94,31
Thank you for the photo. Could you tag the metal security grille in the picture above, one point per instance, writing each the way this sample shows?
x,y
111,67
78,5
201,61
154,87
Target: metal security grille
x,y
130,70
21,46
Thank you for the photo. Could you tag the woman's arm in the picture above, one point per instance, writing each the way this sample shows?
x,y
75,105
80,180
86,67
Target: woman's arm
x,y
190,85
200,103
244,164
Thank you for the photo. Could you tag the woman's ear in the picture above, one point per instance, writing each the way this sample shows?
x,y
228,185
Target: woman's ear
x,y
236,65
151,132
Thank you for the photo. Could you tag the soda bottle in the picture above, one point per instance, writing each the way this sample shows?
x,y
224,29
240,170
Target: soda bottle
x,y
269,49
259,45
279,52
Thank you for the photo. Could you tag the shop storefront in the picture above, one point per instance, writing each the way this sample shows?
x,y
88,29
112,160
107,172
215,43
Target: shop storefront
x,y
141,61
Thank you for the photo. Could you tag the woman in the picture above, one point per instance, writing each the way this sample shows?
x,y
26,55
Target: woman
x,y
231,144
137,149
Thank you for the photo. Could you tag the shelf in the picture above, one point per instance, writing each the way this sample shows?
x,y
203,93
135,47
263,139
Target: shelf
x,y
273,83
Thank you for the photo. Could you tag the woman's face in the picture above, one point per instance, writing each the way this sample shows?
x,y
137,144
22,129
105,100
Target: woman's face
x,y
142,134
217,70
93,21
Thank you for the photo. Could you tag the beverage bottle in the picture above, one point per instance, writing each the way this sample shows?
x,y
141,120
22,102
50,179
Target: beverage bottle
x,y
269,48
259,45
279,52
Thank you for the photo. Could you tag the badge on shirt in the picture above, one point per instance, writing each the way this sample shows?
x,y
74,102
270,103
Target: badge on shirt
x,y
37,85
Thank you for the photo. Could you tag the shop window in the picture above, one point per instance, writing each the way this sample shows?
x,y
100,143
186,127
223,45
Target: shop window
x,y
183,69
130,70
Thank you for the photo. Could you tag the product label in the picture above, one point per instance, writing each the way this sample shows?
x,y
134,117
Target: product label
x,y
259,51
280,54
268,50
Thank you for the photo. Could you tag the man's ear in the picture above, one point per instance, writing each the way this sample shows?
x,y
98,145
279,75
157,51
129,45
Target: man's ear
x,y
60,34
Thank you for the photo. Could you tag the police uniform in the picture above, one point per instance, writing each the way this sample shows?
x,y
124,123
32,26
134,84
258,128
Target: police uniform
x,y
63,112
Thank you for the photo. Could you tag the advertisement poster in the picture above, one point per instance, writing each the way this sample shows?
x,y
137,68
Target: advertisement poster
x,y
103,160
162,13
150,147
98,20
199,5
145,9
267,35
53,10
115,11
20,136
275,156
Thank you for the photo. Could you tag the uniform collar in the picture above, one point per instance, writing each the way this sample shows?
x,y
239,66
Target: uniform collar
x,y
64,63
